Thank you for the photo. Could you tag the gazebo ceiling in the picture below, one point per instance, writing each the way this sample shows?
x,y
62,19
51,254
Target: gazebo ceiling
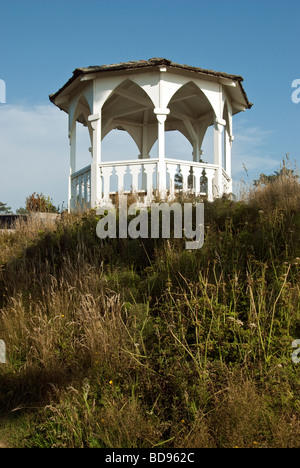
x,y
130,104
128,101
189,103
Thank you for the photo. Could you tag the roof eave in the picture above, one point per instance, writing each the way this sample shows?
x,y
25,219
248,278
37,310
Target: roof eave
x,y
155,62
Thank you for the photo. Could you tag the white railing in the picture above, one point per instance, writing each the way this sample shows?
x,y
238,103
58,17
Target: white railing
x,y
226,182
182,176
81,188
140,176
196,178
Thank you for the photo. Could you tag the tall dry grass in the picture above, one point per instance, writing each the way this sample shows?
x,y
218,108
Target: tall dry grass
x,y
130,343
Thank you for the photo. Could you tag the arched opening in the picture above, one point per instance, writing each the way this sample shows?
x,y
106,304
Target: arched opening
x,y
129,108
191,114
118,145
129,129
178,146
190,121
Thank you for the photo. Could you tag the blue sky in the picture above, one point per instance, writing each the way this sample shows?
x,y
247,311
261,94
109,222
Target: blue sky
x,y
42,42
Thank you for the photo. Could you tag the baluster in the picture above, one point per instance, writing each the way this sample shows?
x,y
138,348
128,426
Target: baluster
x,y
120,171
106,172
197,172
135,171
185,171
172,169
149,169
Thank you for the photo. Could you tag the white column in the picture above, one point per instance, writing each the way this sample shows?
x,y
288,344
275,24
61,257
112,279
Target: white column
x,y
218,156
72,138
228,145
227,153
96,191
145,135
161,115
196,152
144,146
145,154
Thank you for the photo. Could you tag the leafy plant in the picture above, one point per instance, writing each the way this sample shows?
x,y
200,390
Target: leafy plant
x,y
39,203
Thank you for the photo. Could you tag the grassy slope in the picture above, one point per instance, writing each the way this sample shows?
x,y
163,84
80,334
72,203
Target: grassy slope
x,y
130,343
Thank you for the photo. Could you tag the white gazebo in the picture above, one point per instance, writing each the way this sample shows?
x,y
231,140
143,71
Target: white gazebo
x,y
147,99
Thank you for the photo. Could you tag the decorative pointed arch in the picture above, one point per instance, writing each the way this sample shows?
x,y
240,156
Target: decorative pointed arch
x,y
191,113
79,112
132,91
129,108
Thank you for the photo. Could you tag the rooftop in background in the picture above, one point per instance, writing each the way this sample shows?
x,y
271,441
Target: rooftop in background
x,y
143,65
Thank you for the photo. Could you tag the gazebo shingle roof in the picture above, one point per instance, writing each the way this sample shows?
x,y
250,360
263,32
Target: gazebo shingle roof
x,y
153,62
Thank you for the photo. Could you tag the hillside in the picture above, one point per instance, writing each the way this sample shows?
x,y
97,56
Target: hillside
x,y
141,343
